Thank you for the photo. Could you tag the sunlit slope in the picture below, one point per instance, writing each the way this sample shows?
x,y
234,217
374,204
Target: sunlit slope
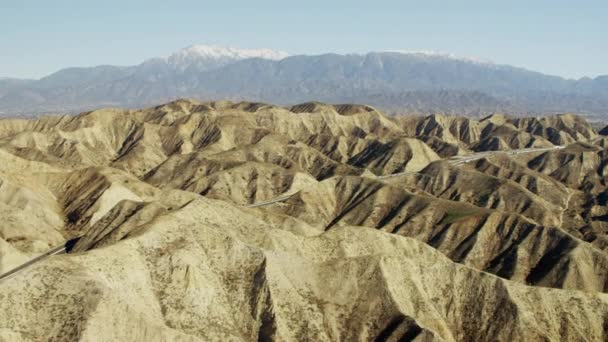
x,y
497,247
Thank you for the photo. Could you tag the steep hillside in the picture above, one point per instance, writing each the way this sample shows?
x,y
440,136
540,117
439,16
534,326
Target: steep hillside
x,y
196,221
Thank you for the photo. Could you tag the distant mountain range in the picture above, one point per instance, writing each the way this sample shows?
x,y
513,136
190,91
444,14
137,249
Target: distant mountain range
x,y
409,82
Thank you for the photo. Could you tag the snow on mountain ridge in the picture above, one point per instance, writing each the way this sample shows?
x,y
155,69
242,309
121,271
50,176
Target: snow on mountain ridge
x,y
432,53
218,52
206,57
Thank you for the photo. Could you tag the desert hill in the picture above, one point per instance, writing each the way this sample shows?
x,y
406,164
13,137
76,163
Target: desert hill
x,y
241,221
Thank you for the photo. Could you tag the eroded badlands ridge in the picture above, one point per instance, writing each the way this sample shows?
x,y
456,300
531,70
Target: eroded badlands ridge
x,y
504,246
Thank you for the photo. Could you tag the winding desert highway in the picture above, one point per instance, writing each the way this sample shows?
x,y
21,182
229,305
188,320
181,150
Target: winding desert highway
x,y
64,247
271,201
459,160
456,160
57,250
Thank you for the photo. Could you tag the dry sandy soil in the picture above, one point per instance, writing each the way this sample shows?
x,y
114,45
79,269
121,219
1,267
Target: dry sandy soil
x,y
503,248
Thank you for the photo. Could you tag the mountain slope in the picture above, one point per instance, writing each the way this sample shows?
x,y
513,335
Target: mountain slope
x,y
196,221
404,82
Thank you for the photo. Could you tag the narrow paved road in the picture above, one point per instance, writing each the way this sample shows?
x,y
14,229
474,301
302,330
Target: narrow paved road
x,y
271,201
457,160
54,251
62,249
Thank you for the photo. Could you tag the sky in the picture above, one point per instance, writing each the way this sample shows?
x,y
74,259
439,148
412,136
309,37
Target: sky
x,y
564,38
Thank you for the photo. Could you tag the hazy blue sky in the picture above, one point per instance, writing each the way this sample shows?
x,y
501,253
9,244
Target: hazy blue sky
x,y
566,38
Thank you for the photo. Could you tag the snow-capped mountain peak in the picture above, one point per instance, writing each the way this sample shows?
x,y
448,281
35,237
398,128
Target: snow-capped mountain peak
x,y
218,52
205,56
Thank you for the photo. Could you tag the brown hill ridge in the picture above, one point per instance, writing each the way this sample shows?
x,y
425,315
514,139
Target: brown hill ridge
x,y
496,246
